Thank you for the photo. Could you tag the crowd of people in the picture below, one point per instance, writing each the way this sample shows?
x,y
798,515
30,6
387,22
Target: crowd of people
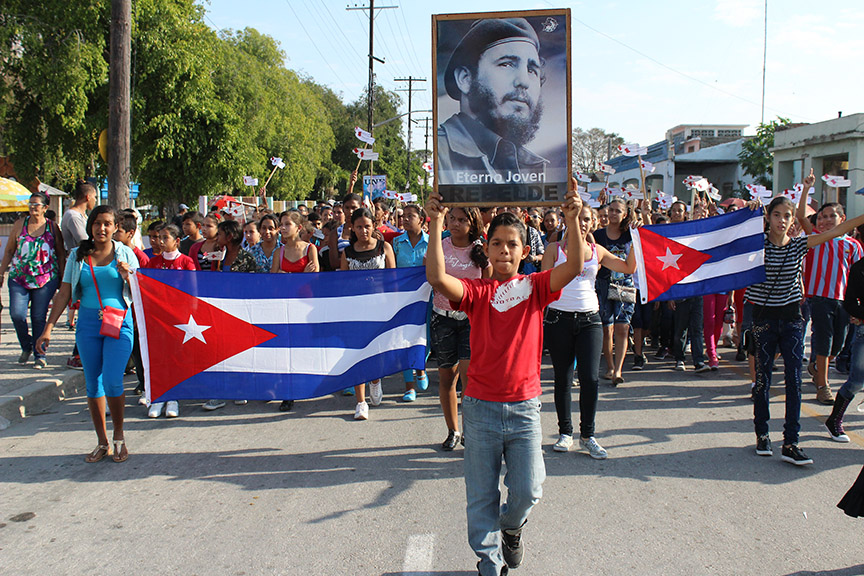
x,y
584,309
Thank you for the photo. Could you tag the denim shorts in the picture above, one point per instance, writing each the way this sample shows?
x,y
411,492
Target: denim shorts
x,y
612,311
830,323
450,340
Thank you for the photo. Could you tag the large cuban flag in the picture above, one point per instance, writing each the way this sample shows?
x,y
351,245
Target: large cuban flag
x,y
707,256
276,336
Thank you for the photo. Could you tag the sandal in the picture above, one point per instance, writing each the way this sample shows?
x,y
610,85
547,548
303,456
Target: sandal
x,y
120,452
98,454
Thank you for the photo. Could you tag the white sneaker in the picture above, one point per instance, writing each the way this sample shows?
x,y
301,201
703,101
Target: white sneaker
x,y
376,393
362,411
142,400
155,409
594,449
172,409
565,441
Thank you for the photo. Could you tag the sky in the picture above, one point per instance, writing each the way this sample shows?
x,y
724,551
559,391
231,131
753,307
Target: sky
x,y
638,68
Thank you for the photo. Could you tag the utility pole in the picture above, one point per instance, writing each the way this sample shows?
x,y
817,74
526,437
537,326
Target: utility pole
x,y
119,80
370,96
764,60
410,91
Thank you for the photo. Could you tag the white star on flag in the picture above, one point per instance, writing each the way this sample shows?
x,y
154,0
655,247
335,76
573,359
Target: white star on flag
x,y
669,260
192,330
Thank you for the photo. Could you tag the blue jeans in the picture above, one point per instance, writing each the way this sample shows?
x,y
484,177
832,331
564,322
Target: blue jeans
x,y
38,300
855,381
494,430
788,335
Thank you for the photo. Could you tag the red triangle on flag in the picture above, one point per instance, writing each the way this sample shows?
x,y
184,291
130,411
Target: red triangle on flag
x,y
186,335
667,262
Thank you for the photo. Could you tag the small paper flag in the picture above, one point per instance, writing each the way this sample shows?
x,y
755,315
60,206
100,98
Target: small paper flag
x,y
364,136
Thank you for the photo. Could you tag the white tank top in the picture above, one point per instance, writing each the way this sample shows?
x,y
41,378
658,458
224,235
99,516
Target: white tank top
x,y
579,295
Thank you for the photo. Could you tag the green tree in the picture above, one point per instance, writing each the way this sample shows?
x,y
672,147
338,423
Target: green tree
x,y
389,140
756,157
184,136
592,146
53,86
281,115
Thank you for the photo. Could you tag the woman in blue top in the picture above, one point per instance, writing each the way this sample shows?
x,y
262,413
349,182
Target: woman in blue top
x,y
104,358
410,250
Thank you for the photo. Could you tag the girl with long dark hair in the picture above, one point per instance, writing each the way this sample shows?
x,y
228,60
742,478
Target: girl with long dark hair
x,y
450,330
97,274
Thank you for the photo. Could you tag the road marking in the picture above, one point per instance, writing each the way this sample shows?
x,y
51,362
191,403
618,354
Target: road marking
x,y
805,409
418,555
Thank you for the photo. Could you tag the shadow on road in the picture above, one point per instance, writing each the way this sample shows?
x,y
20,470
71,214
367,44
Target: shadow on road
x,y
851,571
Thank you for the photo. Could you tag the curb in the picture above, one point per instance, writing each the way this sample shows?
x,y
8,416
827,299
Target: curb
x,y
38,397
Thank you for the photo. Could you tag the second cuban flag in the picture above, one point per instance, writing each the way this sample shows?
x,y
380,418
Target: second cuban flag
x,y
708,256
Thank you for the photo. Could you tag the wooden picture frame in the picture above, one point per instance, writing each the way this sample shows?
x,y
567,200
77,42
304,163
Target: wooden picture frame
x,y
531,163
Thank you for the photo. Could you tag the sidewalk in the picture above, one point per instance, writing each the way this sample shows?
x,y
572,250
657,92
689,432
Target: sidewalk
x,y
25,391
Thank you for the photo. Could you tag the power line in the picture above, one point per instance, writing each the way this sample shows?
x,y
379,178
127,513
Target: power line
x,y
410,90
339,28
405,50
311,41
332,39
671,69
407,28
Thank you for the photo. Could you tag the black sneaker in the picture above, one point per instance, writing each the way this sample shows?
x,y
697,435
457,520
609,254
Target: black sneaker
x,y
139,390
504,570
286,405
763,446
700,368
795,455
740,356
511,547
661,354
639,362
452,440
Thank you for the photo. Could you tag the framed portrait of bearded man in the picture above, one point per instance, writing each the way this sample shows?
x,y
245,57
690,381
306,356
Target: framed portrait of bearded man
x,y
502,107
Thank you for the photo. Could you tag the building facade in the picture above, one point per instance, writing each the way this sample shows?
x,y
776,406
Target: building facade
x,y
833,147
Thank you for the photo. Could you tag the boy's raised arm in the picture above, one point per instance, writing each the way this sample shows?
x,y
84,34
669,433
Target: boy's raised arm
x,y
446,285
801,212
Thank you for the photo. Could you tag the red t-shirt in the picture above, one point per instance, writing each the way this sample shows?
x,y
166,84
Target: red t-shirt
x,y
143,259
182,262
389,233
506,335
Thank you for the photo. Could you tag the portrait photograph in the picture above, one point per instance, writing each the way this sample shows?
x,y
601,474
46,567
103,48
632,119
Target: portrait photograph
x,y
502,107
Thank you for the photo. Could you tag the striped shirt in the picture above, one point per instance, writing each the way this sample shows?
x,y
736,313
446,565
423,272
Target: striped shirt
x,y
782,285
826,267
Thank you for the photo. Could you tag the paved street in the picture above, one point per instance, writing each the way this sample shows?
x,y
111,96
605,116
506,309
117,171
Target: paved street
x,y
249,490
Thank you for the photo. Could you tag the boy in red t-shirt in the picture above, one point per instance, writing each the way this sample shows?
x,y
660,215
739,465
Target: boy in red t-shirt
x,y
500,404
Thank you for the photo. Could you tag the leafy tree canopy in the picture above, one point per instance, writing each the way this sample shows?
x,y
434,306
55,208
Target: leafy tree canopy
x,y
207,108
593,145
756,157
